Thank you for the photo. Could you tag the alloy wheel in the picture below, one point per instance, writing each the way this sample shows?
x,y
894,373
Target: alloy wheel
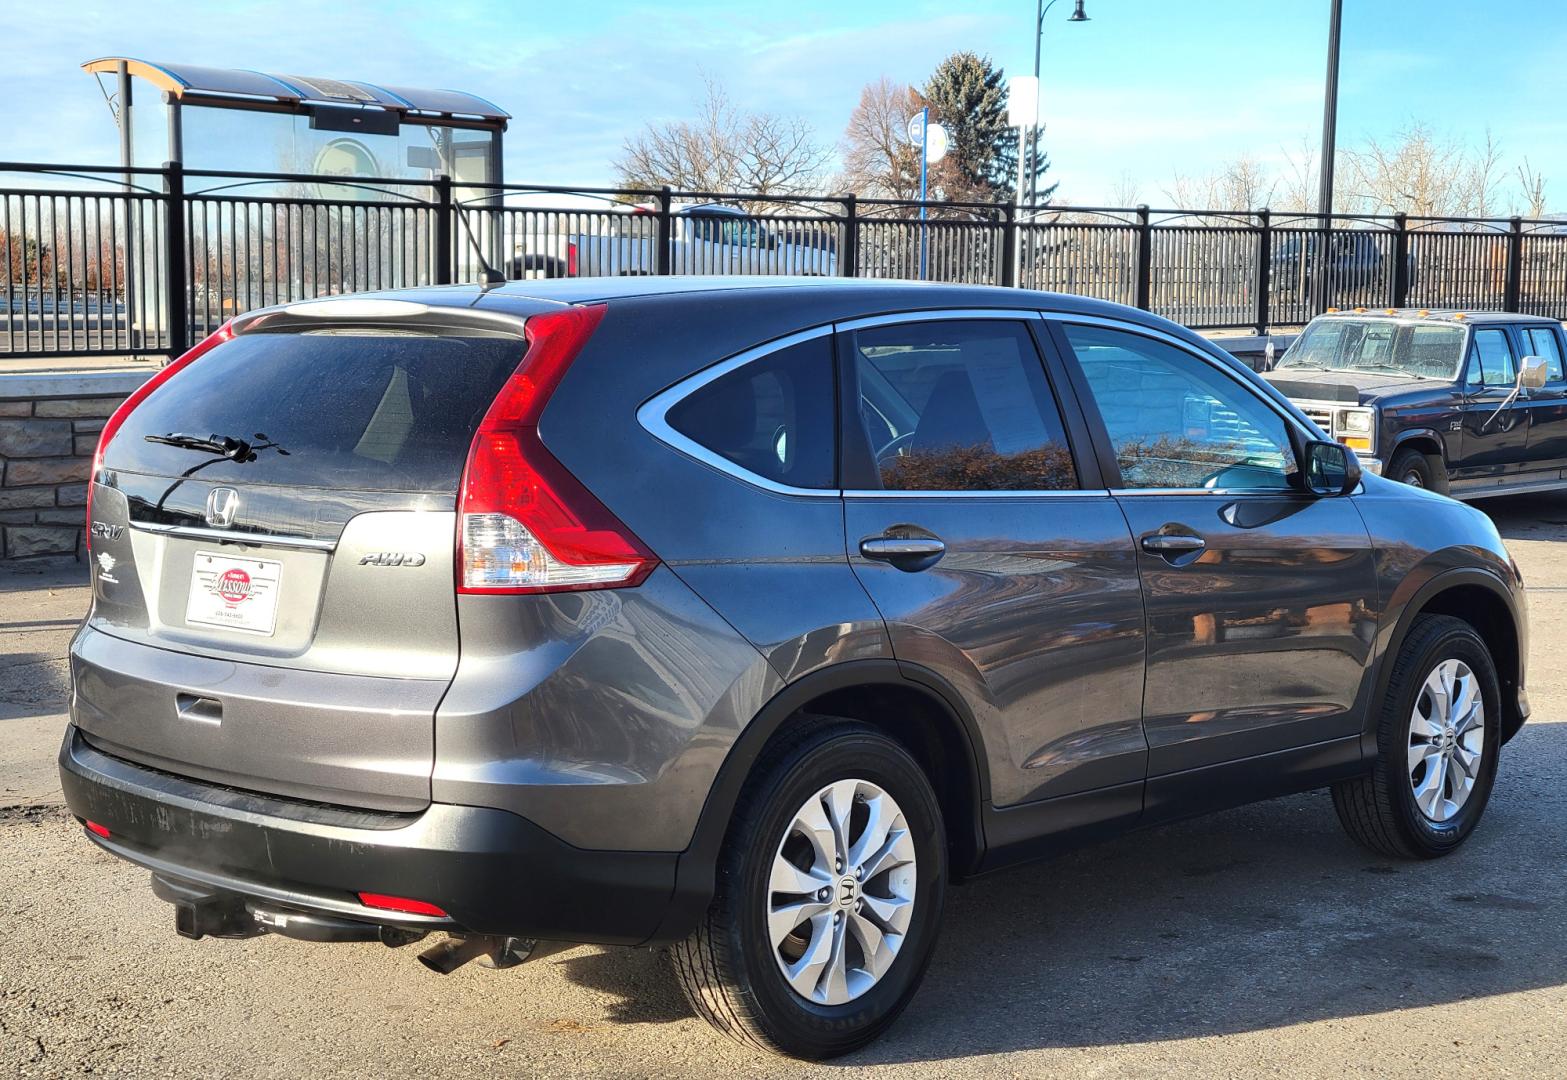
x,y
841,892
1446,740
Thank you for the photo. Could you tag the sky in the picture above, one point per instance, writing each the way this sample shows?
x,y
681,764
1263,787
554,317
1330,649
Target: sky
x,y
1145,90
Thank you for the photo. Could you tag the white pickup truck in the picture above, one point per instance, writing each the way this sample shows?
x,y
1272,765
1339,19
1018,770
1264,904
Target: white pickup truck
x,y
706,239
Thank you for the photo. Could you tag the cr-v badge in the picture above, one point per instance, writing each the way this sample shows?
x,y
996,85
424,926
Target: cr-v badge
x,y
222,505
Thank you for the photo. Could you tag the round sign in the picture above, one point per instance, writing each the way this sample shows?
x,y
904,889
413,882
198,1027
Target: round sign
x,y
935,144
234,585
347,158
917,128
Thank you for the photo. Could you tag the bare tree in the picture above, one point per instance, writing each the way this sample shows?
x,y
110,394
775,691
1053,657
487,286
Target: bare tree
x,y
726,149
1125,191
1481,177
878,158
1245,184
1191,192
1417,172
1241,184
1298,186
1533,185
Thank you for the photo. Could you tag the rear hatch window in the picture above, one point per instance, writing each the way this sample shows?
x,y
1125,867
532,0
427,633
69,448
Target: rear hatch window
x,y
325,546
362,411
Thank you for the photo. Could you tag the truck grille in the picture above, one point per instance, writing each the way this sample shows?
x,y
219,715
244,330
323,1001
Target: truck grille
x,y
1321,415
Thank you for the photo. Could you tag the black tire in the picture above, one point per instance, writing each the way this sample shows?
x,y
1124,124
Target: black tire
x,y
727,967
1410,466
1379,809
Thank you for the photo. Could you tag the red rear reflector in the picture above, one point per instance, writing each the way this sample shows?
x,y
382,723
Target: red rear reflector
x,y
399,903
525,524
97,829
141,393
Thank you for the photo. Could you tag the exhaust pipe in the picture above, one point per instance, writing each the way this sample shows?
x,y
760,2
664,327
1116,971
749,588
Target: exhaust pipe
x,y
500,952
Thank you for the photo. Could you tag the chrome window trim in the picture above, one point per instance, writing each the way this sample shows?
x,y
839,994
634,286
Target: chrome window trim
x,y
192,532
1229,493
653,415
1186,347
1041,493
936,315
1022,315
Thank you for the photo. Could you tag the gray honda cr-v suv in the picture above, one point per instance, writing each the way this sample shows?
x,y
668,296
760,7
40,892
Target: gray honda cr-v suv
x,y
743,617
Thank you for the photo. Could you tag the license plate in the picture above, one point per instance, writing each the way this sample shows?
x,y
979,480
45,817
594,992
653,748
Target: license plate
x,y
236,594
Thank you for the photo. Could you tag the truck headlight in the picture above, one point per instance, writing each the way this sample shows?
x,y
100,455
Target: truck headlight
x,y
1353,421
1355,428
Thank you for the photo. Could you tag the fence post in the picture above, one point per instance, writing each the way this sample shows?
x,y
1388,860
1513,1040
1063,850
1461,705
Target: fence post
x,y
665,230
849,258
1400,296
1512,293
1144,295
1264,268
445,251
1010,241
176,298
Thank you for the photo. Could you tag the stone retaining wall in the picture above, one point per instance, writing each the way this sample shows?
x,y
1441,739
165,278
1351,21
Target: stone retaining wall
x,y
49,429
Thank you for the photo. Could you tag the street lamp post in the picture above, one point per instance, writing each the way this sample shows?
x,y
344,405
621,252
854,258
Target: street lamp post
x,y
1041,9
1320,297
1330,111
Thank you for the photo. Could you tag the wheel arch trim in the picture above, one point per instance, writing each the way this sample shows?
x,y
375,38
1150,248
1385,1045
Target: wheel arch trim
x,y
1423,434
1413,608
694,876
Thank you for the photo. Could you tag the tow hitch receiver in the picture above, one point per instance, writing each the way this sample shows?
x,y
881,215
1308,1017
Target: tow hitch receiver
x,y
202,912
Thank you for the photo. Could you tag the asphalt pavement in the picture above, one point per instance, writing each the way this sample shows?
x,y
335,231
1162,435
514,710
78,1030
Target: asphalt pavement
x,y
1255,942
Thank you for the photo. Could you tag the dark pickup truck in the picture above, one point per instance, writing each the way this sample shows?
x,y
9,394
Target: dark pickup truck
x,y
1470,404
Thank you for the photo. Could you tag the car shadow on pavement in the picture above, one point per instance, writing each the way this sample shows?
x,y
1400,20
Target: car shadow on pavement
x,y
32,682
1527,517
1253,919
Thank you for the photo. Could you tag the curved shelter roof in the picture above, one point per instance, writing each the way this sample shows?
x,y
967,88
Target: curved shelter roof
x,y
240,84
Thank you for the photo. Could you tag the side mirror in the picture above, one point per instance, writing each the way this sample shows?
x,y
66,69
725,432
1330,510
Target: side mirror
x,y
1532,375
1331,468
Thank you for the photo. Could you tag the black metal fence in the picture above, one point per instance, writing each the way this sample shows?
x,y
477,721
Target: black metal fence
x,y
101,260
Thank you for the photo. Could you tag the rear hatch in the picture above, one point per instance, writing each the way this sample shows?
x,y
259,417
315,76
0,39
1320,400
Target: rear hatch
x,y
273,553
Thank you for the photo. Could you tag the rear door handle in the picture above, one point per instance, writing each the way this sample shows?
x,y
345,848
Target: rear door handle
x,y
909,553
1173,545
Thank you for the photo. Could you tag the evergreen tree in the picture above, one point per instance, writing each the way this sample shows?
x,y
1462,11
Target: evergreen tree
x,y
968,96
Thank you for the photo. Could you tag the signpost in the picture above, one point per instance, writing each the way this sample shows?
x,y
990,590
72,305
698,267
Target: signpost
x,y
932,142
1023,114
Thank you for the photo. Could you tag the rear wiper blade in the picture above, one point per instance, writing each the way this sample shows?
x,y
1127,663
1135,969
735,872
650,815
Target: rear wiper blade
x,y
222,445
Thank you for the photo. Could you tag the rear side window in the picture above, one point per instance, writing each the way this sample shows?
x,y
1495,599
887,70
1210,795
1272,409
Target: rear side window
x,y
356,411
772,417
1542,342
959,405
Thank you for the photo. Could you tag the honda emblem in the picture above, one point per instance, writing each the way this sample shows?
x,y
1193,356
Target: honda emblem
x,y
222,506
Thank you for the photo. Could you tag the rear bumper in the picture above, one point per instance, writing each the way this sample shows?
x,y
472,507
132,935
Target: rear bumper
x,y
492,871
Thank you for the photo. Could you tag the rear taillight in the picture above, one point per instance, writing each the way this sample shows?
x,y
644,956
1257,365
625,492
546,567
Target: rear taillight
x,y
571,258
525,524
142,392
